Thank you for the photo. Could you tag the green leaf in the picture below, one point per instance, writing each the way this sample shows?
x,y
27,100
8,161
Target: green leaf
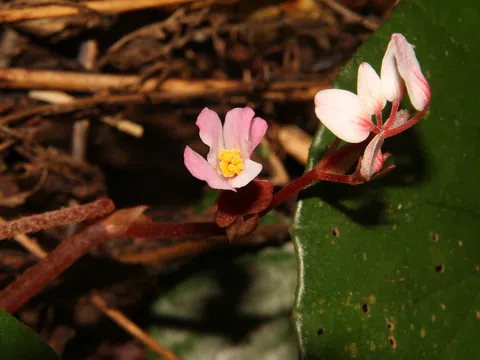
x,y
234,310
18,342
391,268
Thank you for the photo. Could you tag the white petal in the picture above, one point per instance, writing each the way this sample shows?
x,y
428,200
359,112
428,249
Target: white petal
x,y
372,161
409,68
369,89
250,171
343,114
393,87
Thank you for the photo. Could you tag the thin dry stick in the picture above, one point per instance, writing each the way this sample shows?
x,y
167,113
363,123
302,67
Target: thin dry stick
x,y
139,98
60,97
104,7
18,78
295,141
132,328
54,218
79,139
279,176
351,16
30,244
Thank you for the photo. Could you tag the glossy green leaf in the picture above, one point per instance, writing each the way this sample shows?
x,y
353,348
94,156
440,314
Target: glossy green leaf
x,y
235,310
18,342
390,269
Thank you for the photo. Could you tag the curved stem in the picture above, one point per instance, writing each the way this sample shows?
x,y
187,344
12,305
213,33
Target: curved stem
x,y
168,230
418,116
293,188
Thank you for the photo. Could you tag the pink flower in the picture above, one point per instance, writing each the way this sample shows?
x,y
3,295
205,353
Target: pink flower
x,y
373,159
228,165
349,115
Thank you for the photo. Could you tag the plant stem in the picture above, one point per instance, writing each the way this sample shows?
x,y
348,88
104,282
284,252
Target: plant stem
x,y
293,188
37,277
34,223
167,230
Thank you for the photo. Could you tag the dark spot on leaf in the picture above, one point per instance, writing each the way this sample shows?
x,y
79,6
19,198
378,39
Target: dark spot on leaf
x,y
335,232
440,268
390,326
392,342
320,331
435,237
366,308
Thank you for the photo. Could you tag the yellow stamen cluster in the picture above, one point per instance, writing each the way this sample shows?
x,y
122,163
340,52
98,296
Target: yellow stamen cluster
x,y
230,162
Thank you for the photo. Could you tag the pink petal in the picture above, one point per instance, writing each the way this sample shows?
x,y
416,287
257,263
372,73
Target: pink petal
x,y
236,130
409,68
250,171
211,134
258,128
201,169
372,161
343,114
369,89
393,87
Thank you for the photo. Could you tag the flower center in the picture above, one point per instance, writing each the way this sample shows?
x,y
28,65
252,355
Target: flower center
x,y
230,162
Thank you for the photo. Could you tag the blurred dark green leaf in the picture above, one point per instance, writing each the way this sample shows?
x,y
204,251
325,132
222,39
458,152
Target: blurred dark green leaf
x,y
235,310
18,342
391,268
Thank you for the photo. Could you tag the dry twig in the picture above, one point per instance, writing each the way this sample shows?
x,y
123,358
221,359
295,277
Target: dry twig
x,y
59,10
295,141
351,16
132,328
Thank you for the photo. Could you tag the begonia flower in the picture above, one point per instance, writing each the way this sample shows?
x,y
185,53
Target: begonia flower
x,y
349,115
228,165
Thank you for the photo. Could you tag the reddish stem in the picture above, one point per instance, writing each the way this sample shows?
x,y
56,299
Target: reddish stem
x,y
37,277
293,188
167,230
51,219
418,116
393,114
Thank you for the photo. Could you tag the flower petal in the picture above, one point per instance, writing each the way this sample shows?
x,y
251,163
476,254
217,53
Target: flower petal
x,y
236,130
201,169
343,114
258,128
409,68
211,134
372,161
393,87
369,89
250,171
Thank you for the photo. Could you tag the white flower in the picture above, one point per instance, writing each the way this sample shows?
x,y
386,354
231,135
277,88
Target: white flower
x,y
349,115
